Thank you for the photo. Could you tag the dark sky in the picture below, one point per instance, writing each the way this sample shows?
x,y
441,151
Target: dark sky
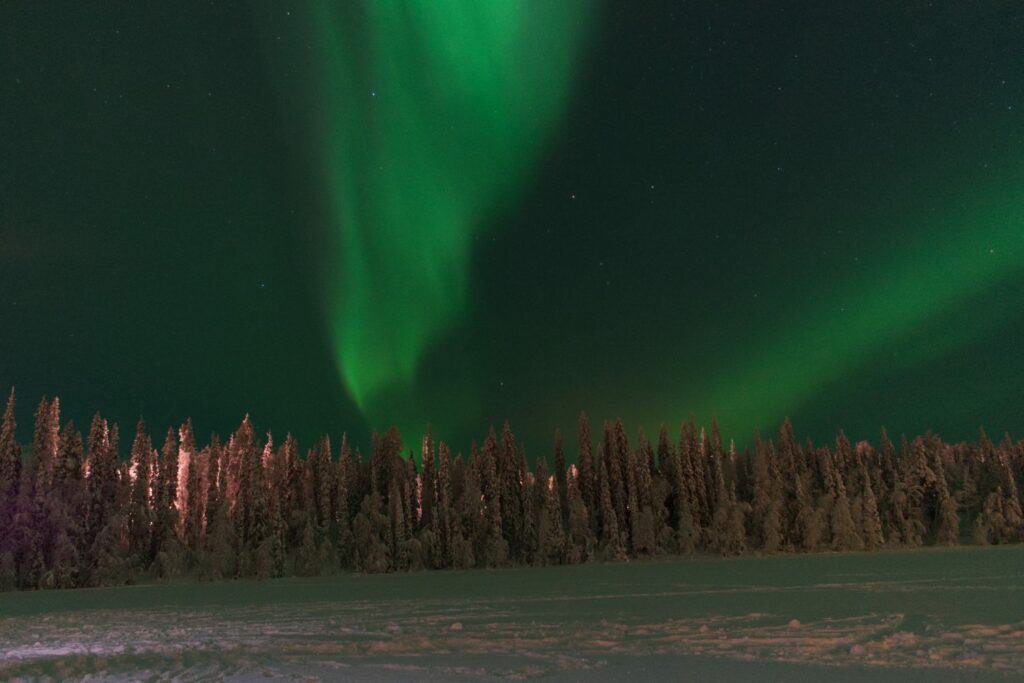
x,y
659,209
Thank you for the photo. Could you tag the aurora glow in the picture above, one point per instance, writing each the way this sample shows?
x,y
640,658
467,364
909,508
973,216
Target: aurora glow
x,y
434,110
980,245
338,216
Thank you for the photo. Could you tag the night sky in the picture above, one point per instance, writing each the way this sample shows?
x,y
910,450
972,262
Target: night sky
x,y
455,213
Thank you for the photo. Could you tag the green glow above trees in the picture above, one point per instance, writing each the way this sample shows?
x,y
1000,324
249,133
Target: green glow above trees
x,y
968,252
433,112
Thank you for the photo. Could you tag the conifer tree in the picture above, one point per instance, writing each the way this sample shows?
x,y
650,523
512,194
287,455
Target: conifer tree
x,y
166,489
692,466
472,526
551,536
10,469
186,452
586,475
428,482
44,443
10,473
872,522
495,550
765,507
140,517
561,481
399,549
67,508
102,481
218,558
580,541
372,538
844,531
510,492
612,547
947,519
809,523
342,496
532,501
443,520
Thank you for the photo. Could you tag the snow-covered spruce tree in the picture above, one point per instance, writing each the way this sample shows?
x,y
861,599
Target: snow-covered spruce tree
x,y
68,506
443,518
872,522
195,494
692,463
845,535
561,480
428,481
611,546
687,533
587,483
531,506
641,539
492,549
810,523
342,520
766,508
469,520
550,534
580,541
102,480
1012,501
947,520
167,552
399,550
140,515
372,533
510,494
616,458
10,473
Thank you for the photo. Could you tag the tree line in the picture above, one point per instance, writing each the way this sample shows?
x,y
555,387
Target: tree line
x,y
72,513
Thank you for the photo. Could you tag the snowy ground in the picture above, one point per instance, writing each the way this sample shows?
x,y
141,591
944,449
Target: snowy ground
x,y
931,615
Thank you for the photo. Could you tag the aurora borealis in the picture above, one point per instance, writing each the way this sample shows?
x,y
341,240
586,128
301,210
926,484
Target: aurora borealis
x,y
458,213
433,111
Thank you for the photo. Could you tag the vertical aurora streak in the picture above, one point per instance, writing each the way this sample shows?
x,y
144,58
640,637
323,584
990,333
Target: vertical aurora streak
x,y
432,114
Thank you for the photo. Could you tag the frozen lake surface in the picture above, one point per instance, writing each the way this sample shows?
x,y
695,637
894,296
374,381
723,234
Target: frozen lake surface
x,y
928,615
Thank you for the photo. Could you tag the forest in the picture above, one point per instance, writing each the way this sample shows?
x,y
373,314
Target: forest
x,y
74,513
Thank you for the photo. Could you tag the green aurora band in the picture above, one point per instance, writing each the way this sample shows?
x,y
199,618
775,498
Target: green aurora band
x,y
961,257
434,112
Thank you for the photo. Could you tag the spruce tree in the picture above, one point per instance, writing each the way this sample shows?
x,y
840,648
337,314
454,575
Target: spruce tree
x,y
612,547
872,522
587,474
186,453
372,539
580,541
10,471
68,507
845,535
947,519
510,492
494,551
428,483
140,517
551,536
343,522
562,486
443,520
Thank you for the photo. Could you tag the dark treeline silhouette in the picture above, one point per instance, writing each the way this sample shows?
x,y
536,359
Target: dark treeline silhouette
x,y
73,514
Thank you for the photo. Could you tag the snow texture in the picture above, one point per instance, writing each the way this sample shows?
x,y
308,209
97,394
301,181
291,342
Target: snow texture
x,y
928,615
